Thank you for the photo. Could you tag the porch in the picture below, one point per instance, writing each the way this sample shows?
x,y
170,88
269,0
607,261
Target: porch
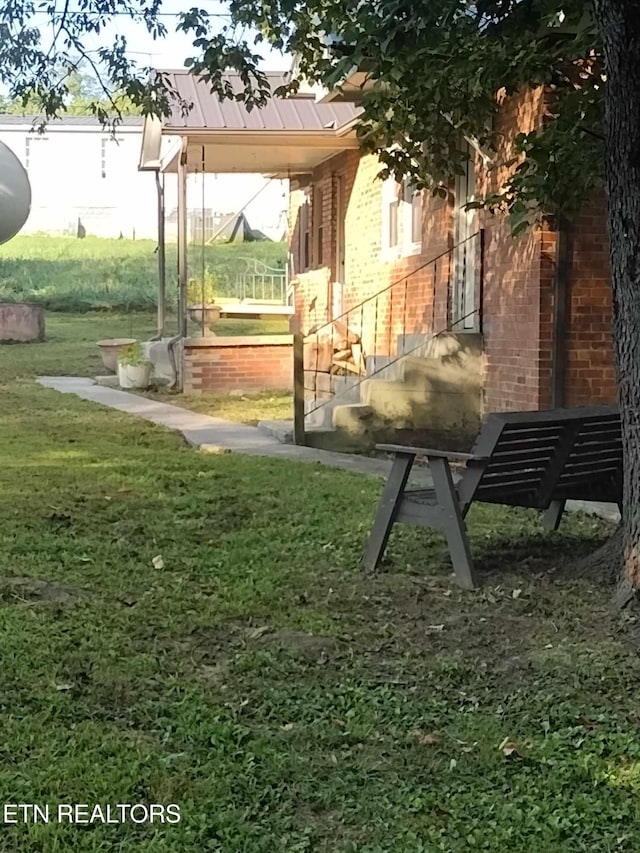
x,y
287,138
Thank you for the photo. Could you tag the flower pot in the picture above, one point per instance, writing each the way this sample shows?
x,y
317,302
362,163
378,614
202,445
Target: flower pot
x,y
134,375
110,350
210,313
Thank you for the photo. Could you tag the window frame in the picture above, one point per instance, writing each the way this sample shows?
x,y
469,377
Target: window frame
x,y
399,223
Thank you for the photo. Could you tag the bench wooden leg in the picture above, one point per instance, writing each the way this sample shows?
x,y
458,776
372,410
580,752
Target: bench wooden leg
x,y
452,522
552,515
387,511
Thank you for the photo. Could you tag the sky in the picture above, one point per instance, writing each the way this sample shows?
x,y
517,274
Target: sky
x,y
172,50
224,193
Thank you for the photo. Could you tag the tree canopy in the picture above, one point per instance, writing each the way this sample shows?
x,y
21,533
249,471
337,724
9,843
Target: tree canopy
x,y
436,67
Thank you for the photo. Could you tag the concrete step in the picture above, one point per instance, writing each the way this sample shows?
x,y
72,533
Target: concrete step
x,y
420,371
282,430
412,344
354,419
426,345
318,416
339,441
434,406
393,401
346,389
383,366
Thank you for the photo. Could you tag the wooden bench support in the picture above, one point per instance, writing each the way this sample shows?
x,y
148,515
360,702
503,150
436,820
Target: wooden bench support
x,y
553,515
387,511
452,522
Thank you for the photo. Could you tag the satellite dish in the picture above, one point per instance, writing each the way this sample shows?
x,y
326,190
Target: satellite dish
x,y
15,194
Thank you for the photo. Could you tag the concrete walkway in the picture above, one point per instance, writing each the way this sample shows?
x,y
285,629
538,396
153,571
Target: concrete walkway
x,y
215,434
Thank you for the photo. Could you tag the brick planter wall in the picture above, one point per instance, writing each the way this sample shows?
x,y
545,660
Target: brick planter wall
x,y
244,363
21,322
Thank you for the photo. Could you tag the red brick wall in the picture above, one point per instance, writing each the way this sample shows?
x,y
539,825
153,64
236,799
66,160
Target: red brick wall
x,y
408,301
590,374
519,277
251,363
516,334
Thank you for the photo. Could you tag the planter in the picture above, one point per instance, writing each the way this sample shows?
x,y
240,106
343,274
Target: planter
x,y
134,375
110,350
209,313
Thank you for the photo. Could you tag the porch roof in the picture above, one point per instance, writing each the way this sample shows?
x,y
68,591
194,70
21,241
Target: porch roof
x,y
288,136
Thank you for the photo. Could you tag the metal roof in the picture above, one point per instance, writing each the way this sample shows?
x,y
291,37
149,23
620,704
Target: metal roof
x,y
207,111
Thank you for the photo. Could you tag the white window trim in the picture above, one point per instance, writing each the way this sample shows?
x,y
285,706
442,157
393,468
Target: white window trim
x,y
410,247
405,247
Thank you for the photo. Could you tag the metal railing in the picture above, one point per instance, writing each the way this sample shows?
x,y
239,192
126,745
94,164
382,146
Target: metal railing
x,y
257,282
369,338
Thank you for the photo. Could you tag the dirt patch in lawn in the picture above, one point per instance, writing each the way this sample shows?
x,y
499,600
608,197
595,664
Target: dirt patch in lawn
x,y
31,591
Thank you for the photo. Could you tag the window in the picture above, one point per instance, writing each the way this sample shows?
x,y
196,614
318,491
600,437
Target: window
x,y
318,225
413,211
304,236
401,218
393,223
465,272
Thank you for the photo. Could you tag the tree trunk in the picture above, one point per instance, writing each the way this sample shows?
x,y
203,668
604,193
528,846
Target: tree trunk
x,y
619,25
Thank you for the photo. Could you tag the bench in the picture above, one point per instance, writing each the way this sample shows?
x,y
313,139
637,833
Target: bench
x,y
527,459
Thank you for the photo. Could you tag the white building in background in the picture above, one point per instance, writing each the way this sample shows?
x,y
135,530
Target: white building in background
x,y
83,177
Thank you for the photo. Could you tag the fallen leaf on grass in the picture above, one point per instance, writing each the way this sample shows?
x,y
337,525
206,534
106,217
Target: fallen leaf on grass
x,y
516,593
158,562
427,738
256,633
434,629
64,687
509,748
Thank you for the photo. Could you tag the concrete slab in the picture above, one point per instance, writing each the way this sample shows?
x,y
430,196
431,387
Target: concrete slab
x,y
218,435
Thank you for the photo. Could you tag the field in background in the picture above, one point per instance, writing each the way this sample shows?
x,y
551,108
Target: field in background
x,y
72,275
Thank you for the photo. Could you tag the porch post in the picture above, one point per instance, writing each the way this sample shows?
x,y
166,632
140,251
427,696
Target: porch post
x,y
182,244
162,269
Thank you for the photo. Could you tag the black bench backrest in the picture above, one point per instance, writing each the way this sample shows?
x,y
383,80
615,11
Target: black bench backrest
x,y
533,458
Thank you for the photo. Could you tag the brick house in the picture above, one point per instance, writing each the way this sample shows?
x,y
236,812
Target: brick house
x,y
398,265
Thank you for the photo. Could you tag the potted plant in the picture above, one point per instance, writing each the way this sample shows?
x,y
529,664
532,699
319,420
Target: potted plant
x,y
201,296
134,369
110,349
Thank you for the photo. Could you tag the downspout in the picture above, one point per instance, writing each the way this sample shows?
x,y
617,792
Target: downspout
x,y
560,298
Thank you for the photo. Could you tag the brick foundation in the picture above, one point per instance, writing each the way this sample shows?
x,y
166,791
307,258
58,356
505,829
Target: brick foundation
x,y
251,363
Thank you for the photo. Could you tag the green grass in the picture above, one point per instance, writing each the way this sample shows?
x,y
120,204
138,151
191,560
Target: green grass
x,y
255,677
67,274
70,349
242,408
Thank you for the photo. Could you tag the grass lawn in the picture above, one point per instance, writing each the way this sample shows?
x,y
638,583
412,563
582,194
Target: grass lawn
x,y
67,274
192,629
71,349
